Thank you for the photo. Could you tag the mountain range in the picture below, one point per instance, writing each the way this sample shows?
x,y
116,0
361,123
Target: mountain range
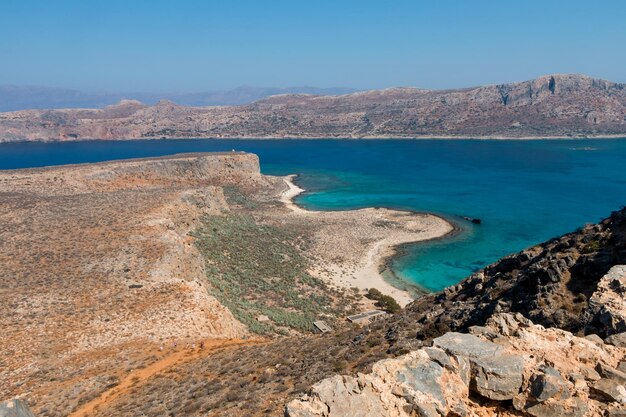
x,y
551,106
14,97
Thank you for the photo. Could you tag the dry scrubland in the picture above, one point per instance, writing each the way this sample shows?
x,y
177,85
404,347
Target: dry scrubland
x,y
560,105
114,273
187,286
565,286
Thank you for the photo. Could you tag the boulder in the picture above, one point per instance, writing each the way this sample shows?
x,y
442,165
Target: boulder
x,y
422,386
609,390
574,407
337,397
440,357
595,339
589,373
607,372
607,302
494,374
15,408
548,383
499,377
618,339
467,345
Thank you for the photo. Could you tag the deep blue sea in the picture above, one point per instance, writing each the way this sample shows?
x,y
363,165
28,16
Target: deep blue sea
x,y
523,191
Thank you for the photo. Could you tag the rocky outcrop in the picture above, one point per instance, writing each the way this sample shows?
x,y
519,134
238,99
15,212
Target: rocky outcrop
x,y
509,365
549,106
570,362
607,308
15,408
565,283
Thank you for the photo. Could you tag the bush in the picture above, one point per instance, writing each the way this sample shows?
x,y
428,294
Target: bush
x,y
385,302
256,269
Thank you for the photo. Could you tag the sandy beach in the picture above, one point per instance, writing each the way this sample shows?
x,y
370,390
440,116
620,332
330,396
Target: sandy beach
x,y
360,250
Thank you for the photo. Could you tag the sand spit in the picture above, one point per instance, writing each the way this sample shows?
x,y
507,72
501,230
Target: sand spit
x,y
381,230
103,280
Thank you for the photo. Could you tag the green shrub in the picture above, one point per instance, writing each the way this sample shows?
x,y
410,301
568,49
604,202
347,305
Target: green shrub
x,y
256,269
385,302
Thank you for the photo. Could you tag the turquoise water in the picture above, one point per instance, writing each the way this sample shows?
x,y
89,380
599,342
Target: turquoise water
x,y
523,191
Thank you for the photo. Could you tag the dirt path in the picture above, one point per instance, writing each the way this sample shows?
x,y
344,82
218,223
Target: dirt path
x,y
139,376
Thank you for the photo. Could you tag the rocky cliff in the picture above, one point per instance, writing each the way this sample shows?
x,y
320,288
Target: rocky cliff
x,y
549,106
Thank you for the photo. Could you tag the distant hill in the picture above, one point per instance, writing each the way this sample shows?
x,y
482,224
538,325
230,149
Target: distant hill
x,y
36,97
549,106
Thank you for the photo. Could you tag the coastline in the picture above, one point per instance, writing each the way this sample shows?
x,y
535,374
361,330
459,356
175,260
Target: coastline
x,y
372,267
343,137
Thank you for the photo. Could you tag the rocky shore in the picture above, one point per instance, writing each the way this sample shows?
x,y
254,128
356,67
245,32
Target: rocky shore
x,y
479,332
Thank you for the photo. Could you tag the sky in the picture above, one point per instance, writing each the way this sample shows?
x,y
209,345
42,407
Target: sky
x,y
192,46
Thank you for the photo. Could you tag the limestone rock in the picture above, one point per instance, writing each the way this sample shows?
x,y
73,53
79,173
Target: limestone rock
x,y
495,375
545,372
610,390
618,339
607,372
499,377
575,407
466,345
15,408
548,383
607,302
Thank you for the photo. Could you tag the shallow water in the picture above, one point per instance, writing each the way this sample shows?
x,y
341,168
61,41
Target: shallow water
x,y
523,191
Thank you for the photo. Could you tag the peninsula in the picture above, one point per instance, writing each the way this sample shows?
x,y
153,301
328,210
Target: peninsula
x,y
193,285
140,258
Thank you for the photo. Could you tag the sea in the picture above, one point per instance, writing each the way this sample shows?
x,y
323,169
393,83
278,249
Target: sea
x,y
523,191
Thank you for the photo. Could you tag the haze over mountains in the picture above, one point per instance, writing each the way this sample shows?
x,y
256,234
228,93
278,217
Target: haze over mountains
x,y
549,106
13,97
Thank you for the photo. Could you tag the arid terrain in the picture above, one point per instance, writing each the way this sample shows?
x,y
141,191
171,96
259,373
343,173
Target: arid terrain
x,y
115,273
188,286
549,106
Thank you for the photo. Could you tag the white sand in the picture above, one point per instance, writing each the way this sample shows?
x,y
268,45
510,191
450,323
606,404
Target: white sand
x,y
365,272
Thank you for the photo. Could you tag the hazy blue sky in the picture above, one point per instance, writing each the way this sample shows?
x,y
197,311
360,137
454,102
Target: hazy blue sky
x,y
163,45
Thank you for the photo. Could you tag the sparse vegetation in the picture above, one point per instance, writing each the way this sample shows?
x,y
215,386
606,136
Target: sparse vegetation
x,y
592,246
234,196
385,302
256,269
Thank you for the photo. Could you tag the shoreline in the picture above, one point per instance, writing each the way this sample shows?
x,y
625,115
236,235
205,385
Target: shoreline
x,y
347,138
375,263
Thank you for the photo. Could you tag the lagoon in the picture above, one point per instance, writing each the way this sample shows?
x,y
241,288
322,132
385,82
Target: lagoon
x,y
524,192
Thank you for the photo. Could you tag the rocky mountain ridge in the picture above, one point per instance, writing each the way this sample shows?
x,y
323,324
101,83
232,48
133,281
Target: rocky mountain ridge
x,y
14,97
548,106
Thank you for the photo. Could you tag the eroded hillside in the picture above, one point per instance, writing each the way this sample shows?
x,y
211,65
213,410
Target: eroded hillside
x,y
548,106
